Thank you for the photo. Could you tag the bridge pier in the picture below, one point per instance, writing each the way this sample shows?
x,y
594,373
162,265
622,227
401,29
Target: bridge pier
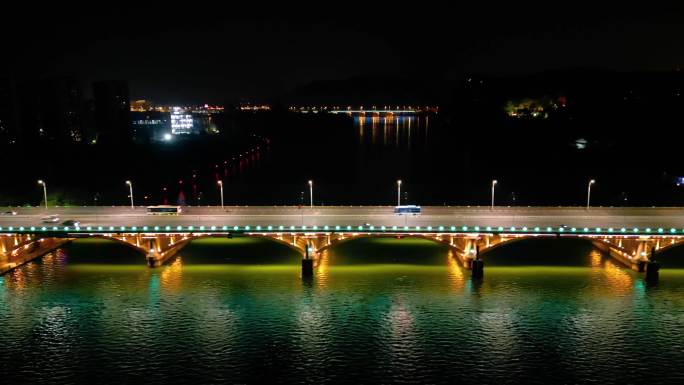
x,y
477,264
152,258
159,254
477,268
641,266
157,248
307,267
307,264
653,267
652,271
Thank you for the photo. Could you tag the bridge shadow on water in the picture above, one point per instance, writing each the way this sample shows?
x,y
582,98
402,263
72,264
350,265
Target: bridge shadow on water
x,y
545,252
672,258
240,251
260,251
92,251
206,251
360,251
418,251
410,251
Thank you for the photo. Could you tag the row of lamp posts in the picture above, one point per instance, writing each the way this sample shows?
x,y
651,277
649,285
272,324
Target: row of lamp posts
x,y
494,183
220,184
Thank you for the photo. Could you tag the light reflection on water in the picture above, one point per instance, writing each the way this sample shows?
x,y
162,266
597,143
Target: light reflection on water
x,y
396,131
172,275
383,320
457,276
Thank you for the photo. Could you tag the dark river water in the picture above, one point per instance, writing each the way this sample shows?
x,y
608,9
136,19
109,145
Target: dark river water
x,y
377,311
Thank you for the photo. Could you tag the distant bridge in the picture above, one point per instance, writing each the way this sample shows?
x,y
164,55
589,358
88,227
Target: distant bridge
x,y
361,111
629,235
377,112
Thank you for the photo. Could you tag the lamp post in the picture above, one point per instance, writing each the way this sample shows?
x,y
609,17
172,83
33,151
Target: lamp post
x,y
220,183
591,182
130,188
311,192
494,182
42,182
399,192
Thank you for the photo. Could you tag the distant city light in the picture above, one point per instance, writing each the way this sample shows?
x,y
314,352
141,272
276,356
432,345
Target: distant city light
x,y
254,107
167,137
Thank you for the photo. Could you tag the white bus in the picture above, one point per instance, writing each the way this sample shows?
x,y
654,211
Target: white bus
x,y
408,209
164,210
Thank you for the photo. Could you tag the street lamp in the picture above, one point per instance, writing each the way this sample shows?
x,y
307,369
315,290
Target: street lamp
x,y
399,192
311,192
130,188
220,183
589,192
494,182
41,182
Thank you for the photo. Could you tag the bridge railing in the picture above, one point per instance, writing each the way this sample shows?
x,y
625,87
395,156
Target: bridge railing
x,y
440,229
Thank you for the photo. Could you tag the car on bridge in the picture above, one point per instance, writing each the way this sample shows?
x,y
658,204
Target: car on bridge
x,y
11,212
71,222
50,219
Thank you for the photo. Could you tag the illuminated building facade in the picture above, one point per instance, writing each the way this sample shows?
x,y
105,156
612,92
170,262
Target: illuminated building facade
x,y
164,123
181,122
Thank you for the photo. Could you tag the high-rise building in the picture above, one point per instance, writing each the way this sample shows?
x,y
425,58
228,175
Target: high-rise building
x,y
50,110
9,130
112,112
89,124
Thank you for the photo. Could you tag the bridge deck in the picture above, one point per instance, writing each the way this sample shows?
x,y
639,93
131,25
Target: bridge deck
x,y
648,221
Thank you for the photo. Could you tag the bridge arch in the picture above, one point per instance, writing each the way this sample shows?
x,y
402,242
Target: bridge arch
x,y
119,241
507,241
157,248
671,255
17,249
627,254
335,241
386,249
668,246
163,247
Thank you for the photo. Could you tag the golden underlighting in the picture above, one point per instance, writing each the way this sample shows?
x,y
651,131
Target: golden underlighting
x,y
456,276
595,258
171,276
322,270
618,278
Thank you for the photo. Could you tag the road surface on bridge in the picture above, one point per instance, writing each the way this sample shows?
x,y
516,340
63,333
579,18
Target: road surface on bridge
x,y
641,217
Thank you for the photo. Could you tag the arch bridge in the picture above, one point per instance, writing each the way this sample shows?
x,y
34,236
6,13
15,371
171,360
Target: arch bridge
x,y
632,247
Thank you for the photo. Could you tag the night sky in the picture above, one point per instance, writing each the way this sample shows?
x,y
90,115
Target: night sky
x,y
203,53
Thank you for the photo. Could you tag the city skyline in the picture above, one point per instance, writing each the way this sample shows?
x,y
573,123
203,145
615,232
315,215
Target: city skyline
x,y
310,45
